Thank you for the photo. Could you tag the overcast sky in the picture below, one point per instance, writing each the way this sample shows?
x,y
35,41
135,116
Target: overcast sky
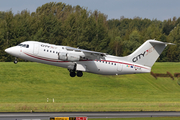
x,y
151,9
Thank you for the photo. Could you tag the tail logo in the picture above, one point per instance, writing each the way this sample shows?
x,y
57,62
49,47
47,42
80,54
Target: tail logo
x,y
141,55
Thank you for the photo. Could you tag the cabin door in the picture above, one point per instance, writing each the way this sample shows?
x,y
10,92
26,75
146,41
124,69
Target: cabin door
x,y
119,66
36,48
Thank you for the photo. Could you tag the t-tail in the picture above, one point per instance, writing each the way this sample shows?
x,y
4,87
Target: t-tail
x,y
147,53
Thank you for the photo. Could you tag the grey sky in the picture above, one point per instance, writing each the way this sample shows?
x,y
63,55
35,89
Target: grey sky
x,y
151,9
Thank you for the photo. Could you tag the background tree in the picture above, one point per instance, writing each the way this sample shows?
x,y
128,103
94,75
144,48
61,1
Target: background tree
x,y
75,26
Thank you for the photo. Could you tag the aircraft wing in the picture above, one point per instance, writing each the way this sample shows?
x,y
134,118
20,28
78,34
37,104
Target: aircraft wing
x,y
88,54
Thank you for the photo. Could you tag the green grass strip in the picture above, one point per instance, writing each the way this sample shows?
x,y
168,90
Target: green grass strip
x,y
27,85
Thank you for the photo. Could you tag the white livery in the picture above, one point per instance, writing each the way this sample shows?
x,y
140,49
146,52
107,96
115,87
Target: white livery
x,y
78,61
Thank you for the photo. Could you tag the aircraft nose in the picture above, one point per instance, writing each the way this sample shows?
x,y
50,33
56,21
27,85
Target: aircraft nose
x,y
12,51
8,50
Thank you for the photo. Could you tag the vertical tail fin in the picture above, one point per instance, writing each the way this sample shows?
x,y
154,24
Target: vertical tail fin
x,y
147,53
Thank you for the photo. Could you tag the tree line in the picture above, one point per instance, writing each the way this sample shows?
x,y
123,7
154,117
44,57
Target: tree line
x,y
61,24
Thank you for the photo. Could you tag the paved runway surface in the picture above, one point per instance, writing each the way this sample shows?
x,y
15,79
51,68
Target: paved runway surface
x,y
46,116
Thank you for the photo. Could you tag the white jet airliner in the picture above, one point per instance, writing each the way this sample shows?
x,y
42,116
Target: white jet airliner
x,y
78,60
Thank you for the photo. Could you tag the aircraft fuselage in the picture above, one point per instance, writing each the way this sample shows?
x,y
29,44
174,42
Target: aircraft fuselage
x,y
48,54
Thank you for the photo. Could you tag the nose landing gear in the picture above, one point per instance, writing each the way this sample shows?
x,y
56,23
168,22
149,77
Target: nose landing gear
x,y
15,61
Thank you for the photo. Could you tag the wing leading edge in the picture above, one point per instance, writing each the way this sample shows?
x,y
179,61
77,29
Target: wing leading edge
x,y
88,54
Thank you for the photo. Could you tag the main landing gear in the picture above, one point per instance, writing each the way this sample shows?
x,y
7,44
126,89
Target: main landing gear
x,y
73,72
79,73
15,61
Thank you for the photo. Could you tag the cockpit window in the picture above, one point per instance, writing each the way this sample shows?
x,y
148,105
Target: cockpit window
x,y
27,46
24,45
20,45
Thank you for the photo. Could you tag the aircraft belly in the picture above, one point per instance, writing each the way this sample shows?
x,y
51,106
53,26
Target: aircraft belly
x,y
101,68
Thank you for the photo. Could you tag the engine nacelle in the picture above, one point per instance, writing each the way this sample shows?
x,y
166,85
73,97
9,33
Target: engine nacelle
x,y
62,56
68,57
72,57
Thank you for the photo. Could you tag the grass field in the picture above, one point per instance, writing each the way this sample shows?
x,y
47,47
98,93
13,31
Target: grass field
x,y
26,86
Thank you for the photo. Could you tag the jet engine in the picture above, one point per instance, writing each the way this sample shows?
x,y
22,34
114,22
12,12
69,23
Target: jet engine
x,y
68,57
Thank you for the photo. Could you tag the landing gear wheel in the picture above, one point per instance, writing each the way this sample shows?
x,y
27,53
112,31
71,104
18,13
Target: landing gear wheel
x,y
15,61
79,73
72,74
